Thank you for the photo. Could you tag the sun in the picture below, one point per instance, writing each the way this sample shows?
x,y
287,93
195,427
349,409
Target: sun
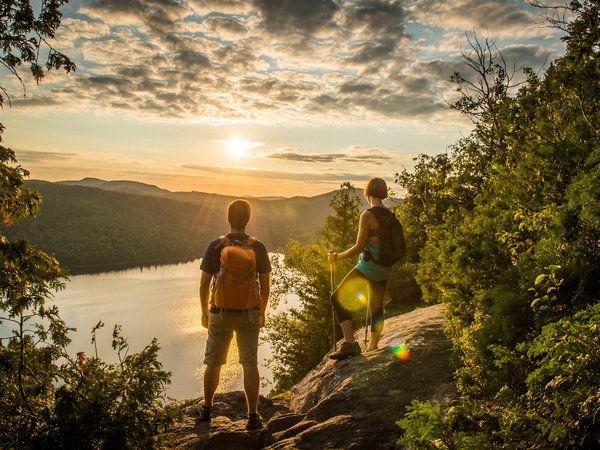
x,y
239,148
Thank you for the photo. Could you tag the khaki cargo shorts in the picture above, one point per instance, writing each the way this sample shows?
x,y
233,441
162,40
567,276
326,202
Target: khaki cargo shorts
x,y
221,327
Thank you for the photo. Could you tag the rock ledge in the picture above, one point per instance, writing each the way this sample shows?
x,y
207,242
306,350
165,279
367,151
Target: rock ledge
x,y
349,404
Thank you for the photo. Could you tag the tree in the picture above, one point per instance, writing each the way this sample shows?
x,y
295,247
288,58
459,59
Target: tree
x,y
341,228
519,271
302,336
49,399
26,37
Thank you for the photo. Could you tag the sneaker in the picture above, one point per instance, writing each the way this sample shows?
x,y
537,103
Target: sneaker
x,y
346,350
204,412
254,422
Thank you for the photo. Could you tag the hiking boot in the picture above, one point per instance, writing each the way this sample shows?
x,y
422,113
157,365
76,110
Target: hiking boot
x,y
346,350
254,422
204,412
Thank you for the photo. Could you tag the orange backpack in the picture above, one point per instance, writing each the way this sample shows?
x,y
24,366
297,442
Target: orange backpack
x,y
236,286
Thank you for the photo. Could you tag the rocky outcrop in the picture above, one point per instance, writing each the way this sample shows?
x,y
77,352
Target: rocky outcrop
x,y
348,404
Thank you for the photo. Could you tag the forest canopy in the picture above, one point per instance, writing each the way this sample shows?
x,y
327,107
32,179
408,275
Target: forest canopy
x,y
508,228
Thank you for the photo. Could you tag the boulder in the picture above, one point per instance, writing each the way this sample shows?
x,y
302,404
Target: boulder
x,y
349,404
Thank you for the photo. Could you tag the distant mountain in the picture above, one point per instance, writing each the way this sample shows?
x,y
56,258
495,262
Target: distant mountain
x,y
96,225
136,187
130,187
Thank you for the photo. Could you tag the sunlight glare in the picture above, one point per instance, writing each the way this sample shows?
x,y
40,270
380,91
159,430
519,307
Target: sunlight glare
x,y
353,295
401,351
240,148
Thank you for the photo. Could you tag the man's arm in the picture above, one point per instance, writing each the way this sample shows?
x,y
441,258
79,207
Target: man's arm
x,y
205,280
264,280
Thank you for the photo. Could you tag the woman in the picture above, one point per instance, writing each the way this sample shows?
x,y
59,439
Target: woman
x,y
366,275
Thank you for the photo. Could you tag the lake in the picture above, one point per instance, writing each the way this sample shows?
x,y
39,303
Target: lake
x,y
150,302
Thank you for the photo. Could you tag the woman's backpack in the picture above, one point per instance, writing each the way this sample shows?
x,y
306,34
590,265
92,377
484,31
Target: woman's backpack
x,y
391,237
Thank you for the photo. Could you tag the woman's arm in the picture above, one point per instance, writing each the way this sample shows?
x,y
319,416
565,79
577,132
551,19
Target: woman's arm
x,y
361,238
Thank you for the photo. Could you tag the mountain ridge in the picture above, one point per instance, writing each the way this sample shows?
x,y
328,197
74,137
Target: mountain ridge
x,y
132,186
101,226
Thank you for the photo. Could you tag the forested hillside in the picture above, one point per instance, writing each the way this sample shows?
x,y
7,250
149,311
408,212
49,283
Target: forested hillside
x,y
94,228
505,231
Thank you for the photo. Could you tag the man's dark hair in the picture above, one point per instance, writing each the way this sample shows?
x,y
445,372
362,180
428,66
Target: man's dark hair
x,y
376,187
238,214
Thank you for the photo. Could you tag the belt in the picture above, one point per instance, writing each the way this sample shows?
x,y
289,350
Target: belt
x,y
217,310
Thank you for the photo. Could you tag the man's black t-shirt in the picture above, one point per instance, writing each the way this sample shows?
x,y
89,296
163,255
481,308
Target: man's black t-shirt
x,y
211,261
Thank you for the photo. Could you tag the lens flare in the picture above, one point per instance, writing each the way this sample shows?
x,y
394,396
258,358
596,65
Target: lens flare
x,y
362,298
377,325
353,295
401,351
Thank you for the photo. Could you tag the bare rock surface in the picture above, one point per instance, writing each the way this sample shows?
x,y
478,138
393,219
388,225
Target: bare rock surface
x,y
348,404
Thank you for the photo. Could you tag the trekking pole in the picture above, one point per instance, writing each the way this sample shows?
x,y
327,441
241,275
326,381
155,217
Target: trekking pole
x,y
367,313
331,288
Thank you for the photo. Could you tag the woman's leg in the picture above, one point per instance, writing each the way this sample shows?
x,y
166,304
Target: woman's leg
x,y
344,316
376,305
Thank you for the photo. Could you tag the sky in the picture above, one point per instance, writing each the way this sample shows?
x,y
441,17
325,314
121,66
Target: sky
x,y
261,97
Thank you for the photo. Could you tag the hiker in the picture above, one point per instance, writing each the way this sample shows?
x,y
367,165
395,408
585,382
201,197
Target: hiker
x,y
366,275
234,292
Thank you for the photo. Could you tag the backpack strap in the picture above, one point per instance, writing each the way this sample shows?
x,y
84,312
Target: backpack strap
x,y
223,242
379,213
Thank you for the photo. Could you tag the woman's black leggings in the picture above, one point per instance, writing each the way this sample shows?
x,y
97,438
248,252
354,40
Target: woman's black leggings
x,y
347,294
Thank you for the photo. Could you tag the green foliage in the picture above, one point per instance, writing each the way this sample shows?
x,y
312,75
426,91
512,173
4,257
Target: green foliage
x,y
341,228
24,37
111,405
514,253
563,389
301,337
423,426
15,201
48,399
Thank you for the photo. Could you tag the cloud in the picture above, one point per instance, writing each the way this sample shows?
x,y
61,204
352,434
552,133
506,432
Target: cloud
x,y
496,17
356,154
356,88
289,16
370,155
34,102
400,105
227,27
273,174
33,156
292,155
534,56
158,14
223,6
382,18
285,62
190,59
439,70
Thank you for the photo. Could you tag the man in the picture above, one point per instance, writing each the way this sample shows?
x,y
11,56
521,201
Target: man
x,y
234,303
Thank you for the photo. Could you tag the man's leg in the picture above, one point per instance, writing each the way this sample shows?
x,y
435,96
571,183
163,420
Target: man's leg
x,y
247,341
220,334
211,381
251,387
